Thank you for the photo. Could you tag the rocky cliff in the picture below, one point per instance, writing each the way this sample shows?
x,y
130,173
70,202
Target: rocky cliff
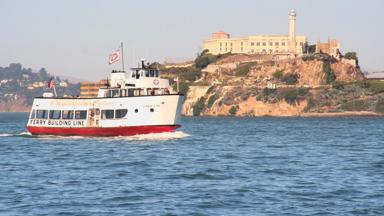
x,y
245,85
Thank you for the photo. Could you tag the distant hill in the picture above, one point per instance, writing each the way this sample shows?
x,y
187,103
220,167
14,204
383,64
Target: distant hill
x,y
18,87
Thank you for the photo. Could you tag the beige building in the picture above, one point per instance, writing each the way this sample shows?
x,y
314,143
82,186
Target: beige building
x,y
221,42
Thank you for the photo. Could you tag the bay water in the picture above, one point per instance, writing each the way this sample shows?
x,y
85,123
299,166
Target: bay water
x,y
210,166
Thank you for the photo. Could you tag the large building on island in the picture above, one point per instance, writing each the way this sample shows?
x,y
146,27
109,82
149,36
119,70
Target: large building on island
x,y
221,42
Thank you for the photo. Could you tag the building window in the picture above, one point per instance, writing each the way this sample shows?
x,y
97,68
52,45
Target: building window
x,y
301,43
264,44
80,114
252,50
252,44
276,43
54,114
282,43
121,113
270,44
258,44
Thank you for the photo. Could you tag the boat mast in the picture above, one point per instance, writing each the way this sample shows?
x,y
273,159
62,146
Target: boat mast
x,y
122,56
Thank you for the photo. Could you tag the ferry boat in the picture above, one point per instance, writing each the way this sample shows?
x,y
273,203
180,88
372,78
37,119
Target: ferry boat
x,y
137,102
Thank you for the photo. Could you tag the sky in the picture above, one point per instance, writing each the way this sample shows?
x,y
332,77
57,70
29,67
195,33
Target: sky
x,y
74,38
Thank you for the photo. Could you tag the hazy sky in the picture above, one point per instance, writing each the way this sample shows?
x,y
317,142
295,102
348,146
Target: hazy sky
x,y
75,37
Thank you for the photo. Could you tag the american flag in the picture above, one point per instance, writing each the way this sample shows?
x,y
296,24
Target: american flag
x,y
114,57
51,83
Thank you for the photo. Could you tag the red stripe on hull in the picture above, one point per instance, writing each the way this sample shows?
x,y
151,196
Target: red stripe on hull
x,y
116,131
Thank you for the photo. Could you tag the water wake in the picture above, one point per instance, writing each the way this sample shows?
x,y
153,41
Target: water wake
x,y
6,135
152,136
157,136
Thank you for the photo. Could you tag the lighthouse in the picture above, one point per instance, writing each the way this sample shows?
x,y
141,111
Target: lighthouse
x,y
292,31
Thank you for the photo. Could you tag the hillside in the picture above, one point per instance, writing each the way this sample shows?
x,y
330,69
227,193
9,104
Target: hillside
x,y
263,85
18,87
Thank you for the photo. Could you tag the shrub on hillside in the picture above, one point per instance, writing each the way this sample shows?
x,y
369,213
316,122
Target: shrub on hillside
x,y
233,110
212,100
278,74
199,106
244,68
329,73
294,95
379,108
204,59
350,55
290,78
356,105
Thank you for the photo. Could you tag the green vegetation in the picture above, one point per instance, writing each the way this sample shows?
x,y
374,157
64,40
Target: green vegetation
x,y
290,78
329,73
212,100
380,105
199,106
268,91
317,56
375,86
183,88
350,55
294,95
210,89
356,105
205,58
233,110
338,85
278,74
188,74
244,68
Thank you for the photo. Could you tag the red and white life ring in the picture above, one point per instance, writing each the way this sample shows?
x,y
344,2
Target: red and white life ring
x,y
156,81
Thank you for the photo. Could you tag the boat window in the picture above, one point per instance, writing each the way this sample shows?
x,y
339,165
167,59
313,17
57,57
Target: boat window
x,y
80,114
32,115
42,114
136,110
146,73
114,93
156,73
137,74
55,114
152,73
151,110
67,114
107,114
133,74
123,93
121,113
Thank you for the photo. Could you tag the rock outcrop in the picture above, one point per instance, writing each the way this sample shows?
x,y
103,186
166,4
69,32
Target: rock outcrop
x,y
245,85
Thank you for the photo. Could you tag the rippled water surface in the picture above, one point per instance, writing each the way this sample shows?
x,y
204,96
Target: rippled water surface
x,y
211,166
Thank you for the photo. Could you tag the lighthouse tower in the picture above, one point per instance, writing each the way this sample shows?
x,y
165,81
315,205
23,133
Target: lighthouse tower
x,y
292,31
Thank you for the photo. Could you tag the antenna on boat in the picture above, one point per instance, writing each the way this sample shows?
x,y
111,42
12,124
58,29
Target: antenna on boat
x,y
122,56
